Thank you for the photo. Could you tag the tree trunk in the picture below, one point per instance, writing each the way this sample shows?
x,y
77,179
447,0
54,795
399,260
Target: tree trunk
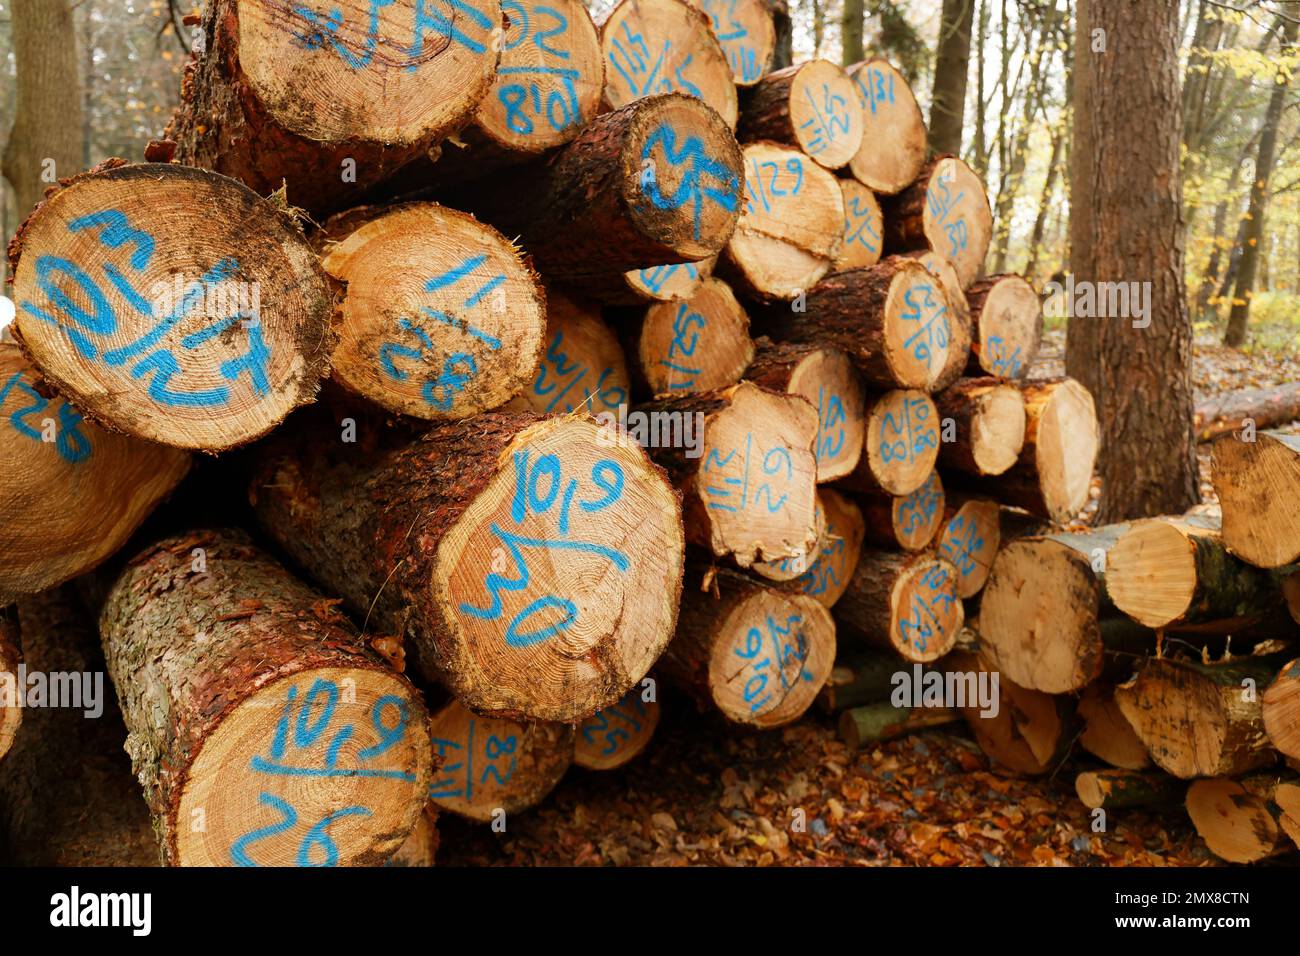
x,y
1045,200
1126,789
1127,137
45,142
211,646
1259,408
501,550
951,64
783,52
851,32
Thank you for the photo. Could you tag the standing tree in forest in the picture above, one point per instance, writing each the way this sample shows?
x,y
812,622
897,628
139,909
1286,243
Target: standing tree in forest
x,y
1125,227
851,32
1253,231
45,141
952,59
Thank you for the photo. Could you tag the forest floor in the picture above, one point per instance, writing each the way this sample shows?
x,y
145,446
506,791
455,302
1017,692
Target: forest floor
x,y
704,793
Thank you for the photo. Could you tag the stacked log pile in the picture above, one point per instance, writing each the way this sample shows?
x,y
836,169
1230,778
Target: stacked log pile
x,y
622,352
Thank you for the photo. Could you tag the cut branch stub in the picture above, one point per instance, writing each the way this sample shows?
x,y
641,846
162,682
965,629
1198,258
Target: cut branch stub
x,y
901,444
970,540
583,367
1258,484
1006,326
747,34
989,423
254,709
172,304
791,224
665,46
811,106
837,554
947,211
907,602
441,317
530,565
550,79
491,765
695,344
864,227
331,98
614,736
909,521
73,492
893,146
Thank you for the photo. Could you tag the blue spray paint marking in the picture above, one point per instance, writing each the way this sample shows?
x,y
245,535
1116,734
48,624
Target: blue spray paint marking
x,y
917,510
831,120
559,107
71,444
459,779
908,435
934,595
617,723
732,35
941,204
530,499
555,362
656,278
961,542
691,189
769,192
860,225
783,652
1007,366
324,30
736,497
642,71
831,418
302,724
877,91
824,574
931,320
683,345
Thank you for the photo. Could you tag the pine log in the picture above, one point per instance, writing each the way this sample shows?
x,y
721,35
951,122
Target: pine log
x,y
1107,734
863,228
442,318
492,765
615,736
838,550
1126,789
655,182
907,602
989,424
1260,407
678,280
893,146
1052,477
891,319
11,712
72,492
1281,704
330,104
215,650
907,522
811,106
663,46
747,33
827,380
759,655
198,343
1287,798
1258,484
1200,720
421,847
971,536
1239,820
1006,326
901,444
582,368
945,210
747,473
437,544
1176,573
697,343
793,567
942,269
67,796
881,721
1025,731
790,228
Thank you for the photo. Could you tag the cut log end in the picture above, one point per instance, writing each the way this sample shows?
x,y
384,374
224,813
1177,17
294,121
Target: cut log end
x,y
925,613
1007,326
1107,734
827,380
902,441
441,319
583,368
956,219
1258,484
1281,702
1121,789
746,31
990,422
173,304
916,327
695,344
491,765
1065,443
893,147
1236,825
837,555
1152,572
864,227
664,283
594,614
812,106
616,735
970,541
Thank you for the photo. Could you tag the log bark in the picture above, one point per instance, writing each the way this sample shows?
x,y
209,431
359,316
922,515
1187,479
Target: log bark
x,y
442,317
213,649
1107,734
970,538
893,146
1258,484
907,522
747,474
790,228
758,655
1260,407
582,368
945,210
1006,326
812,107
1281,710
989,422
172,304
875,723
1239,820
1127,789
907,602
617,735
901,444
655,182
436,543
495,765
74,491
67,796
827,380
330,105
697,343
746,30
864,227
891,319
660,46
837,554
